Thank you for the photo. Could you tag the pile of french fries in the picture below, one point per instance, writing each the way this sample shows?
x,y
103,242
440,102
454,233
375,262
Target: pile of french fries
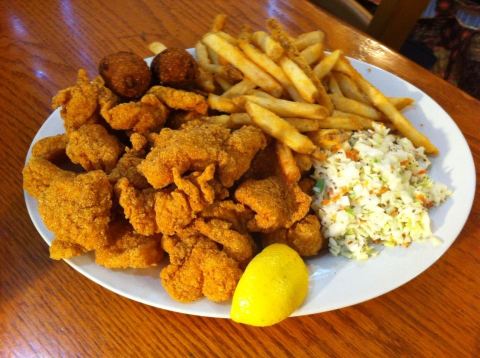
x,y
306,98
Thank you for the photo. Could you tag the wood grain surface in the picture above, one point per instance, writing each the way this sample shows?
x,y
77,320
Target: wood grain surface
x,y
48,309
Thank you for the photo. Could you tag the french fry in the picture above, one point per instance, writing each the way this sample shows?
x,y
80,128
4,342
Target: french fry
x,y
287,163
222,119
329,138
223,82
279,129
401,123
401,102
240,119
219,22
267,64
351,106
260,93
239,89
325,66
201,53
205,80
349,88
305,87
312,53
304,125
227,37
285,108
279,34
233,121
333,85
304,162
234,56
348,121
230,73
271,47
157,47
308,39
237,120
213,56
222,104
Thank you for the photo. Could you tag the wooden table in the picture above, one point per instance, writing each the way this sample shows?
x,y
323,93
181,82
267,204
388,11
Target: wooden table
x,y
48,309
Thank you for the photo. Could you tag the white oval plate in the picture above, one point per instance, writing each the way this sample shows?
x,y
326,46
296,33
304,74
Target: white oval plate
x,y
335,282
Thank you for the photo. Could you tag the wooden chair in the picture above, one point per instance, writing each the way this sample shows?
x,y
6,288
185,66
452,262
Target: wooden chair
x,y
391,24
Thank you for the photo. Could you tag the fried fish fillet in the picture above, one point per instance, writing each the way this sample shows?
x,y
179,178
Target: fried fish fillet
x,y
194,147
198,268
147,115
126,167
178,99
50,148
77,209
93,147
276,204
39,174
304,236
82,102
127,249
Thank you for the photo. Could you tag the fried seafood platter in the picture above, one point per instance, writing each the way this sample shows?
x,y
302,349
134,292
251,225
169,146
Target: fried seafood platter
x,y
197,163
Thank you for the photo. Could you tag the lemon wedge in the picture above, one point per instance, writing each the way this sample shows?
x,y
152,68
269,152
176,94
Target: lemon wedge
x,y
274,284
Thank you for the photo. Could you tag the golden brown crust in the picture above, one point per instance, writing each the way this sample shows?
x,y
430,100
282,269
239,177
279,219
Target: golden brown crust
x,y
304,236
147,115
127,249
50,148
38,175
77,209
93,147
81,103
276,204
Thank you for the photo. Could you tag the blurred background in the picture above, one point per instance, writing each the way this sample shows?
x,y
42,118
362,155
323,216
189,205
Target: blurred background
x,y
440,35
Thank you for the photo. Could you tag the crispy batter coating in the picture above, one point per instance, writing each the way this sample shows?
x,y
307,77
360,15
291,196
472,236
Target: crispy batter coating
x,y
138,206
304,236
186,149
198,268
198,187
240,147
39,174
276,204
178,99
139,141
176,209
238,215
127,168
125,73
77,209
195,146
93,147
264,164
50,148
238,246
82,102
173,212
65,250
149,114
174,67
128,249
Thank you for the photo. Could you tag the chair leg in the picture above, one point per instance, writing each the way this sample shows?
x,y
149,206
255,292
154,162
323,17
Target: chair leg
x,y
394,20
